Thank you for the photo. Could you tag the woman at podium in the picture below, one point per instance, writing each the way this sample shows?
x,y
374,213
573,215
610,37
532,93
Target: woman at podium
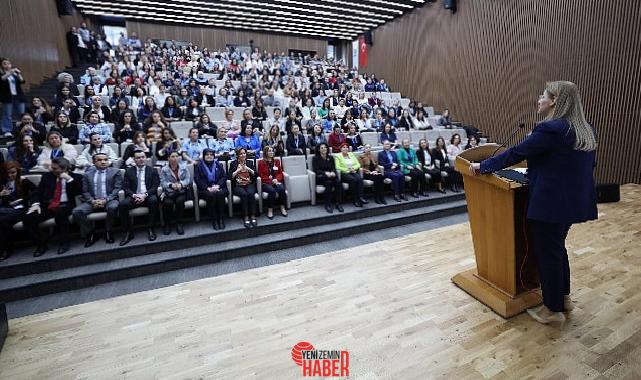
x,y
561,157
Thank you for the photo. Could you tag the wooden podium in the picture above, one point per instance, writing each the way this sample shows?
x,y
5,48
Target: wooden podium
x,y
496,209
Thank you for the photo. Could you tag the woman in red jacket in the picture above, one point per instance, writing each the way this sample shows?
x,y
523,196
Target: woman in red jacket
x,y
270,171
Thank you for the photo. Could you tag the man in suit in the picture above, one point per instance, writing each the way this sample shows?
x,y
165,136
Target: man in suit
x,y
392,170
55,198
100,187
141,190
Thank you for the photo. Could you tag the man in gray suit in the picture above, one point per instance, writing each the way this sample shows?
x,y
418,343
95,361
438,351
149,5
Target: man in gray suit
x,y
100,187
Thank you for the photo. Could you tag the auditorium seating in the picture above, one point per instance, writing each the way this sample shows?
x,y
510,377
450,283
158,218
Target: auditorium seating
x,y
300,180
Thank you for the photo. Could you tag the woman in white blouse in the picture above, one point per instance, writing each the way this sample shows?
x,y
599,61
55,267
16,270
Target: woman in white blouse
x,y
420,121
455,146
85,159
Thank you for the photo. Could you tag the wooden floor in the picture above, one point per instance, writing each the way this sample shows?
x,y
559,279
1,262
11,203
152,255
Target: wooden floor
x,y
391,304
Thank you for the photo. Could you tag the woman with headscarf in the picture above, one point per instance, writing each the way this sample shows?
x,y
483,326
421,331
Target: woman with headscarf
x,y
210,179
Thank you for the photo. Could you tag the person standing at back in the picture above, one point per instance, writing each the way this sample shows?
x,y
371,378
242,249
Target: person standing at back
x,y
561,158
11,94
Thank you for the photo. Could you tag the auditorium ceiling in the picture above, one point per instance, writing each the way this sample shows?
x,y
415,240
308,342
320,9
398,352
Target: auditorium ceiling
x,y
307,18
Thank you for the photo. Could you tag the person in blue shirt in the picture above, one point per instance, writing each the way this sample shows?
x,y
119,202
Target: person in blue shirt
x,y
330,122
193,147
560,154
249,141
94,126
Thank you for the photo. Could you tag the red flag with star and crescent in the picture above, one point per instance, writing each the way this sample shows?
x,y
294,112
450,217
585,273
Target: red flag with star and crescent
x,y
362,52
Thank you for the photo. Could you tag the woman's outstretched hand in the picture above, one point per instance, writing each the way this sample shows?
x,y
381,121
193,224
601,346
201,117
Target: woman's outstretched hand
x,y
475,168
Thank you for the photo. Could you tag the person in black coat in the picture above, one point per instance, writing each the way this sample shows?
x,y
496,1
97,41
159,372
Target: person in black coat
x,y
210,179
72,45
257,125
206,129
96,106
126,127
170,110
66,128
296,144
70,110
29,127
15,194
325,170
54,198
425,158
140,185
442,162
242,174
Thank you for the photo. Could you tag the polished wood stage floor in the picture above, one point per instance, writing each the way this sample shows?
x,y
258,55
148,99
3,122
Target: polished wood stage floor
x,y
391,304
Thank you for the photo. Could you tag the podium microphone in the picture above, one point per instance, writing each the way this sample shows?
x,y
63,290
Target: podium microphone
x,y
520,126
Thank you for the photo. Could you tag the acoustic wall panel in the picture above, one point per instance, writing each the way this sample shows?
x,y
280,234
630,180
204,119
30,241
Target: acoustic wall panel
x,y
489,62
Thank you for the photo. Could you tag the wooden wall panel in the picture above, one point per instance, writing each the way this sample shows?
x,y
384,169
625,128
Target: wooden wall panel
x,y
489,62
217,39
33,37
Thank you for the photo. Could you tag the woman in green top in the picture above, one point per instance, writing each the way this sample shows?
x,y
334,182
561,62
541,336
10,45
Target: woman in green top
x,y
411,167
324,109
349,167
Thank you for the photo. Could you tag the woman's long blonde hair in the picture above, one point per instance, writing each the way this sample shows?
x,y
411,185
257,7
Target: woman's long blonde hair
x,y
569,107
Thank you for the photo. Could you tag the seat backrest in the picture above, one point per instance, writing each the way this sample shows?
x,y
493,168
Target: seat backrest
x,y
402,135
79,148
432,135
370,138
238,112
430,111
181,128
294,165
34,178
447,134
215,113
270,112
416,136
5,153
123,147
310,161
461,133
114,147
404,102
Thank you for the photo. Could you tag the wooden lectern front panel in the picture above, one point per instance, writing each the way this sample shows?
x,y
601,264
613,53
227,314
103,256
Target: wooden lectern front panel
x,y
492,216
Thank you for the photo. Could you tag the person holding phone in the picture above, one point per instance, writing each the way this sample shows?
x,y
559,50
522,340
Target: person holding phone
x,y
11,94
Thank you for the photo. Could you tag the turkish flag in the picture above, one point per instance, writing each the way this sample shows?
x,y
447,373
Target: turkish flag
x,y
362,52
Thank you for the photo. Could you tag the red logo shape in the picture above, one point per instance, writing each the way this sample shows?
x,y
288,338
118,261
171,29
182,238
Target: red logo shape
x,y
296,351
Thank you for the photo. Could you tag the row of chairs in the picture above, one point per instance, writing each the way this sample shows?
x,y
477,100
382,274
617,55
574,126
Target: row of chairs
x,y
300,182
230,200
371,138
